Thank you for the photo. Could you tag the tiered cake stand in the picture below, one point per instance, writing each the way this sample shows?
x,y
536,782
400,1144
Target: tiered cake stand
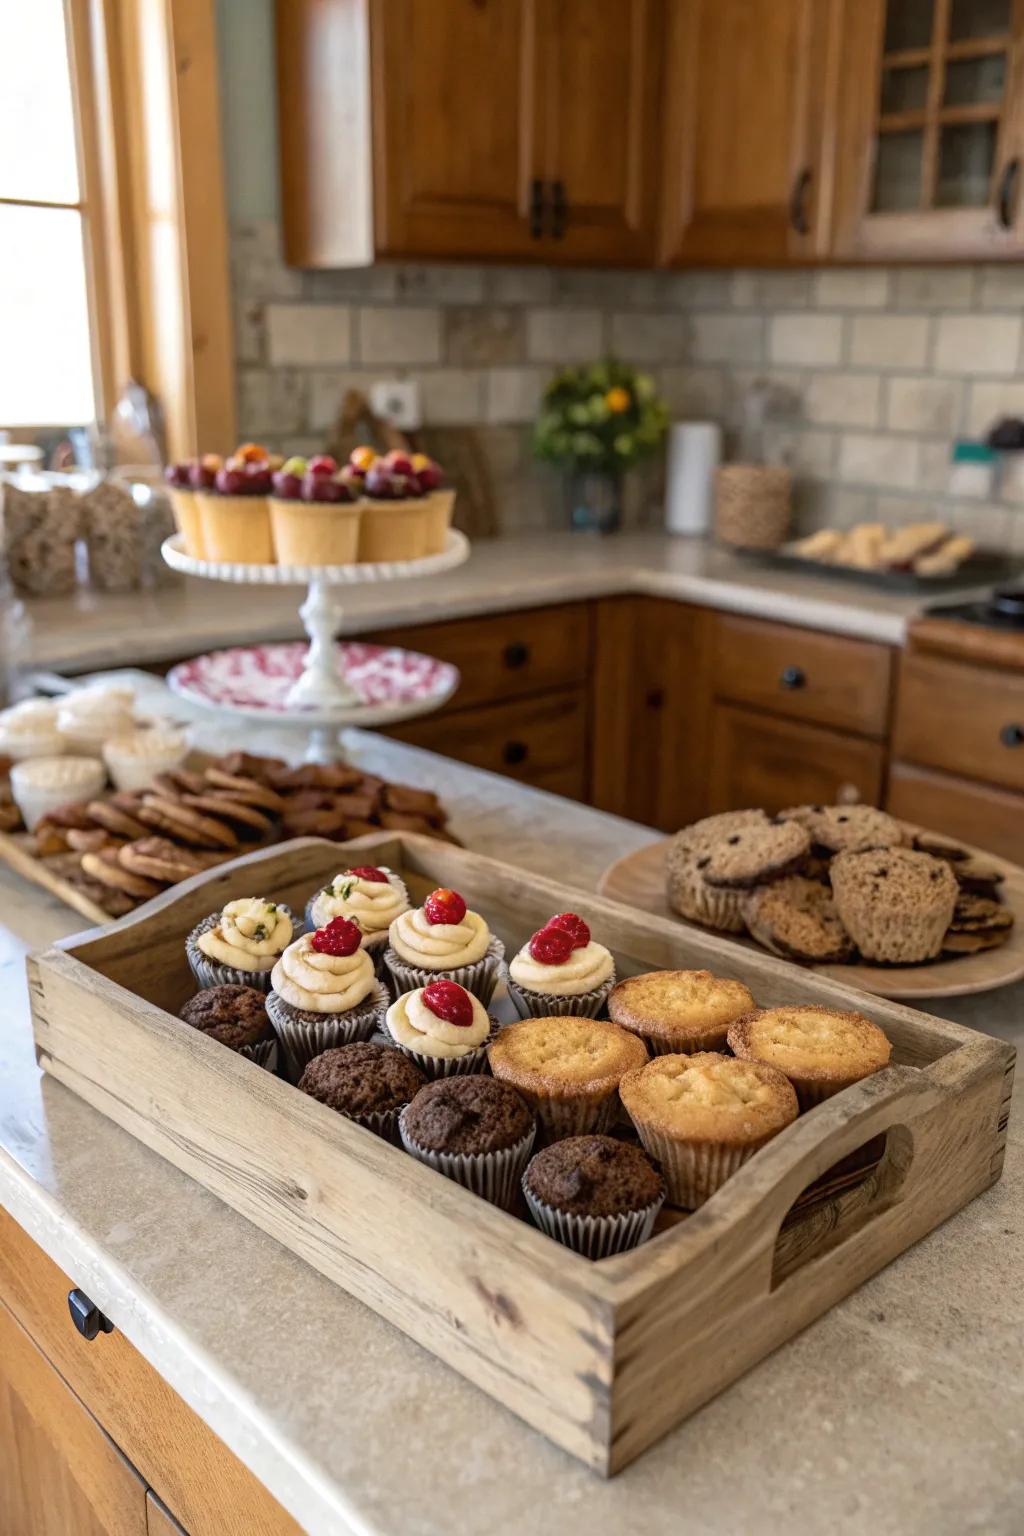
x,y
327,686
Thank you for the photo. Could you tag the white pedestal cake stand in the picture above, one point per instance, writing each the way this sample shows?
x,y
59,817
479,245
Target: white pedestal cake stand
x,y
321,699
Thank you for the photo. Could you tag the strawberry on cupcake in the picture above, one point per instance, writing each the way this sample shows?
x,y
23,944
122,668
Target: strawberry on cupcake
x,y
444,1028
443,938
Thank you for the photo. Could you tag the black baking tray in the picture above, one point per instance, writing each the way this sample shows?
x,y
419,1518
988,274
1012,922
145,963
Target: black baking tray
x,y
985,568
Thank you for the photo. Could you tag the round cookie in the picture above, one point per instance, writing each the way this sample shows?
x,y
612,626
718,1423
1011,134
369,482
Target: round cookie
x,y
107,868
978,923
159,859
939,847
796,917
755,854
173,818
895,903
245,789
846,828
977,876
235,812
115,819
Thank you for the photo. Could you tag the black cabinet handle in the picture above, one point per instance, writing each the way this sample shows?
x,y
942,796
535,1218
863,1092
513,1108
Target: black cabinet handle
x,y
536,208
559,210
514,752
792,677
1007,193
516,655
1012,735
798,203
655,698
86,1316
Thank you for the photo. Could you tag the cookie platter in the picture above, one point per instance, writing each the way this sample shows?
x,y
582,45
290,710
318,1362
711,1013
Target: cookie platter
x,y
603,1357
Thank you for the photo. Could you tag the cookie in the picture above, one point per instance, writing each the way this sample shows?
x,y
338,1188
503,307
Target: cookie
x,y
977,876
336,776
120,823
895,903
106,868
980,914
172,817
92,840
846,828
939,847
233,811
796,918
249,791
972,943
755,854
246,765
115,903
179,781
157,858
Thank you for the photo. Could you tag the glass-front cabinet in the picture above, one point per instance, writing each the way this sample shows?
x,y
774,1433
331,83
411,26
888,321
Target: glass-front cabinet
x,y
930,132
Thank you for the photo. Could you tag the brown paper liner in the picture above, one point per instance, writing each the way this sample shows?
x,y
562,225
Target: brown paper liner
x,y
314,532
481,978
185,508
393,530
304,1035
546,1005
440,506
210,973
236,529
494,1176
596,1237
694,1170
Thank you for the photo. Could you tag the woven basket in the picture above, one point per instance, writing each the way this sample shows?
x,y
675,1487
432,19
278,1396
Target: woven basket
x,y
752,505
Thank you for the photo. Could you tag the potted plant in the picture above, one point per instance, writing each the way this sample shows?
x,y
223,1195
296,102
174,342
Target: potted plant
x,y
598,421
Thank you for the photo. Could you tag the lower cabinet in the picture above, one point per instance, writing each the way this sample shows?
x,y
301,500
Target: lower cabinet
x,y
759,760
979,813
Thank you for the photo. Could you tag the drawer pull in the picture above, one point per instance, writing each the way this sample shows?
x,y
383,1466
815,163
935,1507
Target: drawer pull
x,y
1012,735
517,654
793,677
655,698
514,752
86,1316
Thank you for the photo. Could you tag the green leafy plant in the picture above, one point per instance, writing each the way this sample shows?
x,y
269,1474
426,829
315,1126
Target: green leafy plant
x,y
604,416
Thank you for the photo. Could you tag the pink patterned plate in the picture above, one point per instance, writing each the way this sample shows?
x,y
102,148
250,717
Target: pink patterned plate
x,y
390,684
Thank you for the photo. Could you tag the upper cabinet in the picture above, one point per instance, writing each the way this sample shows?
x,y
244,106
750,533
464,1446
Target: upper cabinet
x,y
930,129
745,130
478,128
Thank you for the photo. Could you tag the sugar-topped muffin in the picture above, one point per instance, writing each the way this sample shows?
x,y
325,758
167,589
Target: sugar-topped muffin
x,y
679,1010
567,1068
821,1050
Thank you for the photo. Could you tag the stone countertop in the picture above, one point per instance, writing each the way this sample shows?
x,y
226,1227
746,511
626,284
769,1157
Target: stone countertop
x,y
901,1411
92,630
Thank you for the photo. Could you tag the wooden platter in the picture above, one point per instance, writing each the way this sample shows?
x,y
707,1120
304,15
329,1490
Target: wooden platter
x,y
638,880
603,1358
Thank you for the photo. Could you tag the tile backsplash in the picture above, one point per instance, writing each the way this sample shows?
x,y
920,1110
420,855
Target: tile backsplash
x,y
880,368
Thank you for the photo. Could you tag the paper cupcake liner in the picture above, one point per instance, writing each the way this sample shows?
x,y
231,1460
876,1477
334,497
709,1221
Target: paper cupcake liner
x,y
895,940
262,1052
810,1093
481,978
544,1005
210,973
382,1122
582,1116
596,1237
685,1045
447,1066
694,1170
494,1176
693,899
304,1034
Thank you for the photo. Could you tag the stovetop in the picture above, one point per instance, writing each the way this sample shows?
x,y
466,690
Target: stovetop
x,y
1002,608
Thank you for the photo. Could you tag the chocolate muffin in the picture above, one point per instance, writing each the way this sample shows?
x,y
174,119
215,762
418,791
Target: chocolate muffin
x,y
234,1016
595,1194
366,1083
474,1130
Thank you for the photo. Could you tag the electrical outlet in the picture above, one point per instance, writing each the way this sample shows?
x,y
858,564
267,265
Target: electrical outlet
x,y
398,401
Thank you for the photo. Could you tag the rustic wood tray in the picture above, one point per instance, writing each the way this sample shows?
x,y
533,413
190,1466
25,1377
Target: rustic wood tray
x,y
603,1358
639,880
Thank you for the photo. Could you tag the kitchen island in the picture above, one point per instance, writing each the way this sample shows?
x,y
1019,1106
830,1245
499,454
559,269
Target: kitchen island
x,y
899,1411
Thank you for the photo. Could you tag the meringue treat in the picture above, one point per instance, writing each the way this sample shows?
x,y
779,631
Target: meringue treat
x,y
29,730
241,944
444,1028
42,784
135,760
88,716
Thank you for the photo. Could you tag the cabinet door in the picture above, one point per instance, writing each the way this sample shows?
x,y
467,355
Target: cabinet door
x,y
758,760
601,68
745,94
456,127
988,818
59,1473
931,129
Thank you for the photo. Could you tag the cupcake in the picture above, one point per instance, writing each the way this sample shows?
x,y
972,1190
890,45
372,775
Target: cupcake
x,y
241,944
474,1130
440,501
443,938
367,1083
43,784
183,481
444,1028
595,1194
561,971
395,520
324,993
314,515
134,760
679,1010
895,903
368,895
702,1116
236,1017
568,1069
687,892
233,513
30,729
89,716
821,1050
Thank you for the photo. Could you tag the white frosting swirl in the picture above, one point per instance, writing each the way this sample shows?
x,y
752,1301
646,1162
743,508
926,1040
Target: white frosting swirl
x,y
373,904
412,1024
322,983
439,946
251,934
585,969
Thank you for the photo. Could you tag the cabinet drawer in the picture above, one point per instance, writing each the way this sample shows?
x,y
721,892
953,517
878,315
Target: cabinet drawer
x,y
803,674
756,760
509,654
988,818
969,720
538,741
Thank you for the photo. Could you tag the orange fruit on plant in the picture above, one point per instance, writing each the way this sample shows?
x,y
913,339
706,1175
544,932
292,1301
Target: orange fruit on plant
x,y
617,399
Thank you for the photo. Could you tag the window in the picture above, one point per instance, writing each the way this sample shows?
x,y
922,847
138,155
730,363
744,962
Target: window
x,y
47,373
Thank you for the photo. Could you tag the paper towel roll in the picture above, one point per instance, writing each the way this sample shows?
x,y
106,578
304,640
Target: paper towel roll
x,y
694,450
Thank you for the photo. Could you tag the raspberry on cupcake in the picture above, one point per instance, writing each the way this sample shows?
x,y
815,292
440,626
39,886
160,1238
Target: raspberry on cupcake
x,y
444,1028
443,938
324,993
561,970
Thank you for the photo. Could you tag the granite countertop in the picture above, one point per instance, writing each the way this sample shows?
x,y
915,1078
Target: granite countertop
x,y
900,1411
92,630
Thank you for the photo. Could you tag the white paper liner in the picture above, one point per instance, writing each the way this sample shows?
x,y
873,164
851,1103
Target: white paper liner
x,y
545,1005
303,1038
481,978
596,1237
684,1045
210,973
694,1170
262,1052
447,1066
581,1116
494,1176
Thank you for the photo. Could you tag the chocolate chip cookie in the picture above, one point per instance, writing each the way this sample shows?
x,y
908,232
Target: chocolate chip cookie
x,y
796,918
754,855
978,923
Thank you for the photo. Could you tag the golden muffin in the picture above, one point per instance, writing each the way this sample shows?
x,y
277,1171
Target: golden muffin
x,y
821,1050
568,1069
679,1010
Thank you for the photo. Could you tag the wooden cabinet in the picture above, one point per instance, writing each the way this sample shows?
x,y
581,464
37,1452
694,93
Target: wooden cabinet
x,y
988,818
747,87
758,760
964,719
930,129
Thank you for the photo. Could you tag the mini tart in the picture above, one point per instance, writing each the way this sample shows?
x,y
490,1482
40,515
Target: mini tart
x,y
235,529
702,1116
896,904
367,1083
134,760
439,1047
241,944
688,894
821,1050
679,1010
42,785
474,1130
393,530
314,532
568,1069
579,986
594,1194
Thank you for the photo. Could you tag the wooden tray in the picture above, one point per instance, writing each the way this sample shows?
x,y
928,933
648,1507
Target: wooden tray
x,y
638,879
603,1358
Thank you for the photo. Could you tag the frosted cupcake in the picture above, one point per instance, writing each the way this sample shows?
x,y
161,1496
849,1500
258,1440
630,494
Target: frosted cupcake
x,y
443,938
561,971
241,945
324,993
370,896
30,729
444,1028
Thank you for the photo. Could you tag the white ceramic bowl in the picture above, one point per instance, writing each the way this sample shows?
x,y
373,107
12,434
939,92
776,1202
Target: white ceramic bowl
x,y
45,783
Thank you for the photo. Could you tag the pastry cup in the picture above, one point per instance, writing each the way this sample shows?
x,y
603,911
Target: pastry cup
x,y
546,1005
393,530
236,529
481,977
210,973
694,1170
314,532
304,1033
434,1067
440,506
185,507
596,1237
494,1176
